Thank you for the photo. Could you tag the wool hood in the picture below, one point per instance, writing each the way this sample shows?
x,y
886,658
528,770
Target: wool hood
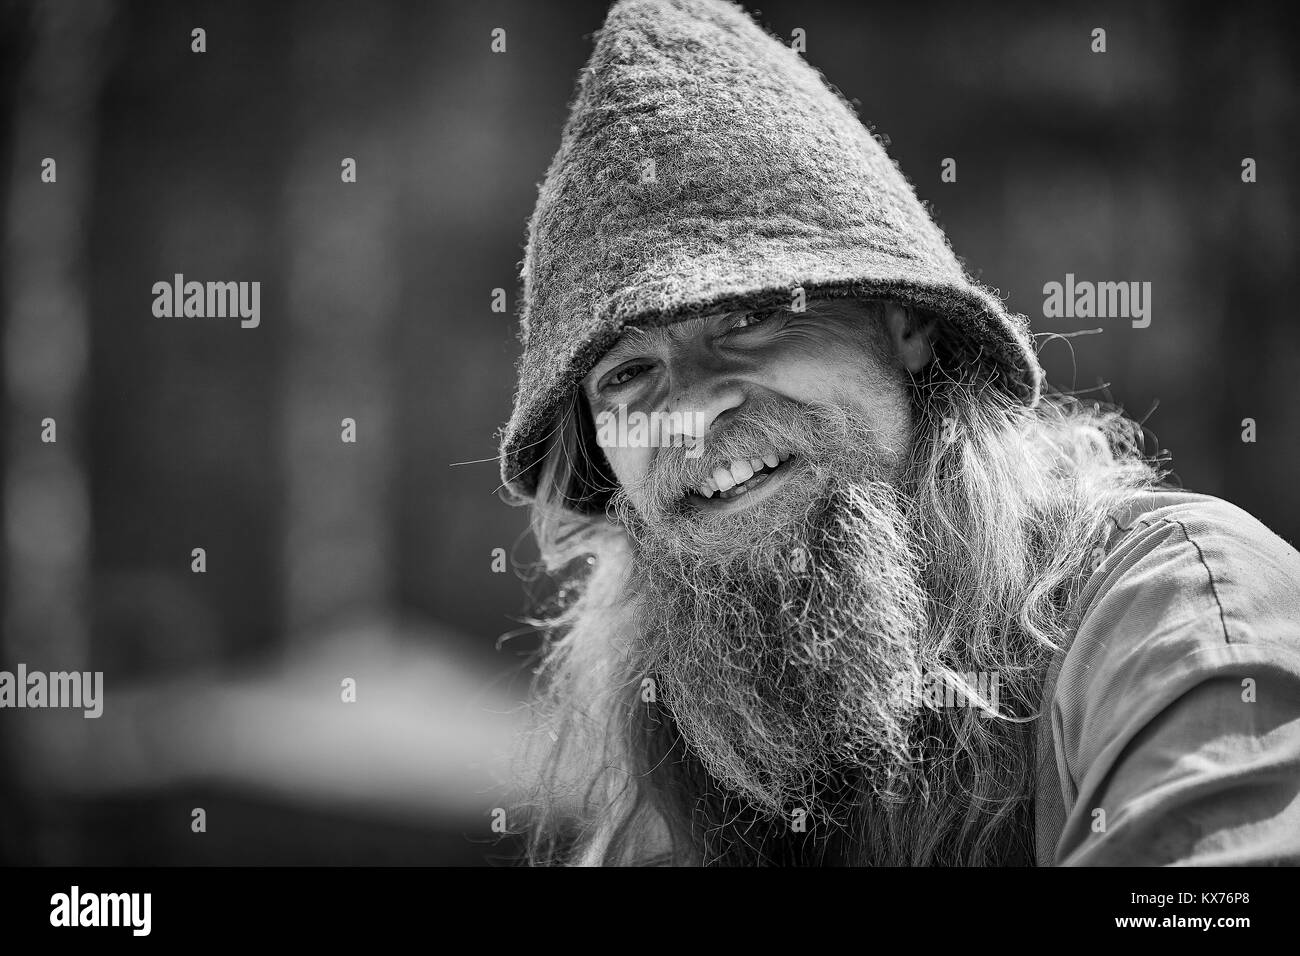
x,y
705,166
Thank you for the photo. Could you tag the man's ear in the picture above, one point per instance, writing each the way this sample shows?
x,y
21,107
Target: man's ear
x,y
910,335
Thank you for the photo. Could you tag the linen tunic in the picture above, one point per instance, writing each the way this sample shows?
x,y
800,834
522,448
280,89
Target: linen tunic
x,y
1171,729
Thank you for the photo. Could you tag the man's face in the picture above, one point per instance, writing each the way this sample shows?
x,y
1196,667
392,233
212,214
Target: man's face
x,y
702,374
776,622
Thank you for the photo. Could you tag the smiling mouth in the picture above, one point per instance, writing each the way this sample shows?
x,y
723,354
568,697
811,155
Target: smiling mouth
x,y
710,496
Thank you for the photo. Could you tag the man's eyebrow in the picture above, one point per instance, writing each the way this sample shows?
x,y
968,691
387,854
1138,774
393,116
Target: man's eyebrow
x,y
634,340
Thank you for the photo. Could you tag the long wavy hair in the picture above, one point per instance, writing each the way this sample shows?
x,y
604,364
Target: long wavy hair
x,y
1009,503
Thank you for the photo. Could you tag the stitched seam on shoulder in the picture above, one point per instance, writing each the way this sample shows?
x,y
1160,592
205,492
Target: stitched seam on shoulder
x,y
1208,573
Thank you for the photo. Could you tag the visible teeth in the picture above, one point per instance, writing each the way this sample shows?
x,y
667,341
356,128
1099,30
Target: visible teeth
x,y
729,478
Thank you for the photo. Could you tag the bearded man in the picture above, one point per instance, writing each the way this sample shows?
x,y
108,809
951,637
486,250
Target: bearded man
x,y
874,594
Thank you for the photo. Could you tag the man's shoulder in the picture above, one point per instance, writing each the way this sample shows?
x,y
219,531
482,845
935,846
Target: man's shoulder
x,y
1189,588
1182,674
1176,558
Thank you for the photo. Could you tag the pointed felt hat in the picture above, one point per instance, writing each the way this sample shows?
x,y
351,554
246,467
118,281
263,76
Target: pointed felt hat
x,y
704,166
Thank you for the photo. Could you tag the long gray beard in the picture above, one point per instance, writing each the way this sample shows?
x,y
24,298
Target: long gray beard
x,y
778,637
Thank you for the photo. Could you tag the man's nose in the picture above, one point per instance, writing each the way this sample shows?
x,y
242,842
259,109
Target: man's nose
x,y
704,391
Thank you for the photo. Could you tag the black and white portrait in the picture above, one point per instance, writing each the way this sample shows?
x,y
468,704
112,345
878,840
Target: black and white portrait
x,y
667,433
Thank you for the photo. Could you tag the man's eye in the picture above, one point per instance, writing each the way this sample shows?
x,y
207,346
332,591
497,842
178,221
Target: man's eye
x,y
751,319
622,376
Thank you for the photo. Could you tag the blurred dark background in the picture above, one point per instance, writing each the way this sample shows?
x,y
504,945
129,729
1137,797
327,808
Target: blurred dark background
x,y
373,560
